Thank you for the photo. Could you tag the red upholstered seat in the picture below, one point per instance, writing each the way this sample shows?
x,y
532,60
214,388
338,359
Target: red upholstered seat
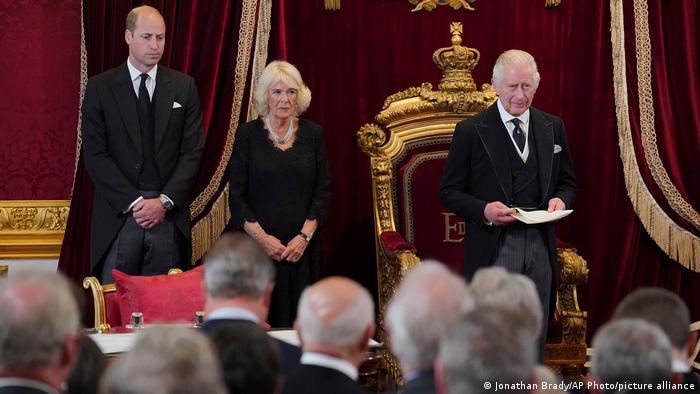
x,y
174,297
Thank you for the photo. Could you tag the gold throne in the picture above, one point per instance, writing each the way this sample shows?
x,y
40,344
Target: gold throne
x,y
408,146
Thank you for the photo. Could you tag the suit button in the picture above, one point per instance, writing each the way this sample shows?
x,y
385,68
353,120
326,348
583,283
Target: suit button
x,y
137,166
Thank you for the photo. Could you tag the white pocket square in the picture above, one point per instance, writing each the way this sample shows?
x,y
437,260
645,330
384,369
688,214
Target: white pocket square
x,y
557,149
176,105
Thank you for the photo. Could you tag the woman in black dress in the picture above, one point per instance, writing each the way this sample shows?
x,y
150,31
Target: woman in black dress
x,y
279,185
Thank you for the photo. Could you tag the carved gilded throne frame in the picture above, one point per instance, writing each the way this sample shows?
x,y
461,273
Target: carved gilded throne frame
x,y
421,115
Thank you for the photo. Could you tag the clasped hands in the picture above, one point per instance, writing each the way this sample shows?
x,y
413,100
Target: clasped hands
x,y
148,212
274,248
499,214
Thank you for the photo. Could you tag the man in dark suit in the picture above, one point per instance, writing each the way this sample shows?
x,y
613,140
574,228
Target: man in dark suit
x,y
142,144
238,283
335,320
669,312
39,332
428,300
510,155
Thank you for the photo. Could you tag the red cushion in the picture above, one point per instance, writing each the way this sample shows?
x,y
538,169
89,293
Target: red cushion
x,y
112,314
161,298
395,242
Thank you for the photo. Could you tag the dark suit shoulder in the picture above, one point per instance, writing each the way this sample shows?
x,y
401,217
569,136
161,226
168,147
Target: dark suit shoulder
x,y
325,381
310,125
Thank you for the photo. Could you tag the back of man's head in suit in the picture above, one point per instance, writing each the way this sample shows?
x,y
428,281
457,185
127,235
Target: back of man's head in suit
x,y
336,317
429,299
631,350
237,272
39,326
662,308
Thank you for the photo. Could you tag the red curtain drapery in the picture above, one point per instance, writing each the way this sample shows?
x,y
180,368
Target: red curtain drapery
x,y
354,58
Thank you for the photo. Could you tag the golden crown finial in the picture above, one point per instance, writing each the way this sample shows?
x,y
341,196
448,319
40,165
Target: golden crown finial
x,y
456,63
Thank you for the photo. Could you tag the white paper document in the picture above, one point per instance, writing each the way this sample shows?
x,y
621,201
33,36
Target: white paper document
x,y
535,217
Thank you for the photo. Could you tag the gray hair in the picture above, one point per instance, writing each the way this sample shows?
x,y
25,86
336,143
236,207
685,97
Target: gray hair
x,y
277,71
660,307
237,266
345,329
631,350
428,300
515,292
514,57
38,313
482,346
166,360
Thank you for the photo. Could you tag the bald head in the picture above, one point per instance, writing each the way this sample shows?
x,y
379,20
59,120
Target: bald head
x,y
335,311
132,17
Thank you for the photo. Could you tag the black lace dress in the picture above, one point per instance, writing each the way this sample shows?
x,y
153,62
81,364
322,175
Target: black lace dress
x,y
280,190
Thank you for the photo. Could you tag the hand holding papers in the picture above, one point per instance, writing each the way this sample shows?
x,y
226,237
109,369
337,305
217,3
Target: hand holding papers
x,y
535,217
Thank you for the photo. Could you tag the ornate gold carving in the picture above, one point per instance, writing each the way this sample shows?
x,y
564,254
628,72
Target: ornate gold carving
x,y
371,137
98,298
552,3
32,229
332,5
430,5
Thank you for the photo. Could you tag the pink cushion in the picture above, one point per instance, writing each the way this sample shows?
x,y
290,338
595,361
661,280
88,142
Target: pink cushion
x,y
161,298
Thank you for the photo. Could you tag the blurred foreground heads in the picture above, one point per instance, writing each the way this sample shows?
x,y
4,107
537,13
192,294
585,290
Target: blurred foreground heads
x,y
166,360
39,331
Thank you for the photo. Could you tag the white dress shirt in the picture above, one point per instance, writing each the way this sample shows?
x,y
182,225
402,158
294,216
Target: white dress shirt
x,y
524,126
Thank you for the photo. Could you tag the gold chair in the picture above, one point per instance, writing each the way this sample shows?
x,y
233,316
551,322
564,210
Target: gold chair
x,y
407,147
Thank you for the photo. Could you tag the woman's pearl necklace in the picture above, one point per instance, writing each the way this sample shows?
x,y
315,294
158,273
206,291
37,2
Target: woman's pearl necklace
x,y
279,140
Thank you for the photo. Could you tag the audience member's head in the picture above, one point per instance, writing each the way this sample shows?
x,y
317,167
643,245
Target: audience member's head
x,y
249,358
237,272
631,351
664,309
336,316
426,303
516,293
166,360
88,369
39,326
480,347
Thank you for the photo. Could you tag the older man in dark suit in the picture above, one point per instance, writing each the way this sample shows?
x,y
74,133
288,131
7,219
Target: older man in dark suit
x,y
335,320
142,143
39,332
510,155
238,282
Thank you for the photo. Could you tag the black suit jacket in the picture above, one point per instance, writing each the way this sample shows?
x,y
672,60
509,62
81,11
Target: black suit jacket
x,y
478,171
289,354
312,379
423,384
113,152
21,390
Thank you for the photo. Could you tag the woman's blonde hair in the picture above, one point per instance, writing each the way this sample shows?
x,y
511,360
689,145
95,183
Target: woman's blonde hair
x,y
275,72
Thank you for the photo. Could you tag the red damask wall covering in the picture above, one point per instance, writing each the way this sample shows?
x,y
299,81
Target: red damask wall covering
x,y
39,73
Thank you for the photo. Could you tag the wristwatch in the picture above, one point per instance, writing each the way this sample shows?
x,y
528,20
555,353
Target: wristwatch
x,y
167,204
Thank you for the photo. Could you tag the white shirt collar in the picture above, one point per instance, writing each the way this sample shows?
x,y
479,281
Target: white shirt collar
x,y
524,126
324,360
678,366
136,74
22,382
233,313
506,117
